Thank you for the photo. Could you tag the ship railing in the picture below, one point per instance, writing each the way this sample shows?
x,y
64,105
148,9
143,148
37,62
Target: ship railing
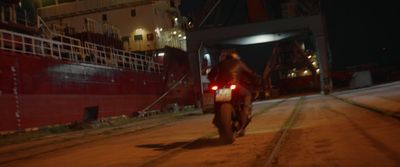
x,y
22,43
102,55
69,50
57,36
87,6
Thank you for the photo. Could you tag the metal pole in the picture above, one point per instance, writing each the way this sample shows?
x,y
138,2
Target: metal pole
x,y
2,14
165,93
199,64
13,13
320,65
209,13
328,56
26,18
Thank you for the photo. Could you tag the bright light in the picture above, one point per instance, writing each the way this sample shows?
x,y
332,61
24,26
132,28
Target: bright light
x,y
303,46
190,23
180,35
184,37
309,57
233,87
208,58
214,87
161,54
314,63
176,19
317,70
139,31
174,32
161,29
262,38
305,72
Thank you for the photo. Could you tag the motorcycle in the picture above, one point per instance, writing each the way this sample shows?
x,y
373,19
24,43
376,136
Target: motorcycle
x,y
228,106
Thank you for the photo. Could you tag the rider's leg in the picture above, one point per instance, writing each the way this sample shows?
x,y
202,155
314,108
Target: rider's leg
x,y
244,115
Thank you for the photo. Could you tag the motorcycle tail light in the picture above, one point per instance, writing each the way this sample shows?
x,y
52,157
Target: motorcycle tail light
x,y
214,87
233,87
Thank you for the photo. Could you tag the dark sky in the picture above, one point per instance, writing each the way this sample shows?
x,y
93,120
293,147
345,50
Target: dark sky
x,y
362,32
359,31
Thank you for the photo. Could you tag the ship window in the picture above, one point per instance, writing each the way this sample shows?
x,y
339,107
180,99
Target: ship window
x,y
150,37
48,2
125,38
65,1
133,12
156,11
138,37
104,17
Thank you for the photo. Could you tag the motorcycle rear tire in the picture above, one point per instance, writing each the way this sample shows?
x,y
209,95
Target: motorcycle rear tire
x,y
225,123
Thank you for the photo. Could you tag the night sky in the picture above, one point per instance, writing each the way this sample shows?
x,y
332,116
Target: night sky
x,y
359,31
363,32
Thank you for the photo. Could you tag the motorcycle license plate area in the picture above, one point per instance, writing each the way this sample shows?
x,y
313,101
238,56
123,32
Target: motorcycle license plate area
x,y
222,95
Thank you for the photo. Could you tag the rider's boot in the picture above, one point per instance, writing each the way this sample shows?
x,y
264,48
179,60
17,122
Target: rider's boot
x,y
245,119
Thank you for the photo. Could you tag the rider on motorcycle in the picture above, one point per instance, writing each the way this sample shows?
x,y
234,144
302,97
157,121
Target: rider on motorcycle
x,y
232,69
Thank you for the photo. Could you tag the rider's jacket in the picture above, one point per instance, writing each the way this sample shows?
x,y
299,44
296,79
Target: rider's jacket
x,y
231,70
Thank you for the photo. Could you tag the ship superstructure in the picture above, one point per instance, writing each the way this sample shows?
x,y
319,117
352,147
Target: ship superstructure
x,y
142,25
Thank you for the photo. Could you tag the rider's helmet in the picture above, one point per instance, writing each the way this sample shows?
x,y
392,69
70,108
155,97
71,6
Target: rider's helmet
x,y
228,54
234,55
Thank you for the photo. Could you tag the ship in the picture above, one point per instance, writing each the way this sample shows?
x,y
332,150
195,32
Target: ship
x,y
51,78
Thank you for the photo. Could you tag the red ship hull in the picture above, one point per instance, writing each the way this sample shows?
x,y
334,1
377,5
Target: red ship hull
x,y
38,91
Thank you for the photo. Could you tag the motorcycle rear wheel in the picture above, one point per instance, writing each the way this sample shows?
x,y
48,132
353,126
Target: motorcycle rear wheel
x,y
225,123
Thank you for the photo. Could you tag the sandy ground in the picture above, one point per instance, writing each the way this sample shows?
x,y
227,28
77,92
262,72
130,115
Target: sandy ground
x,y
327,132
